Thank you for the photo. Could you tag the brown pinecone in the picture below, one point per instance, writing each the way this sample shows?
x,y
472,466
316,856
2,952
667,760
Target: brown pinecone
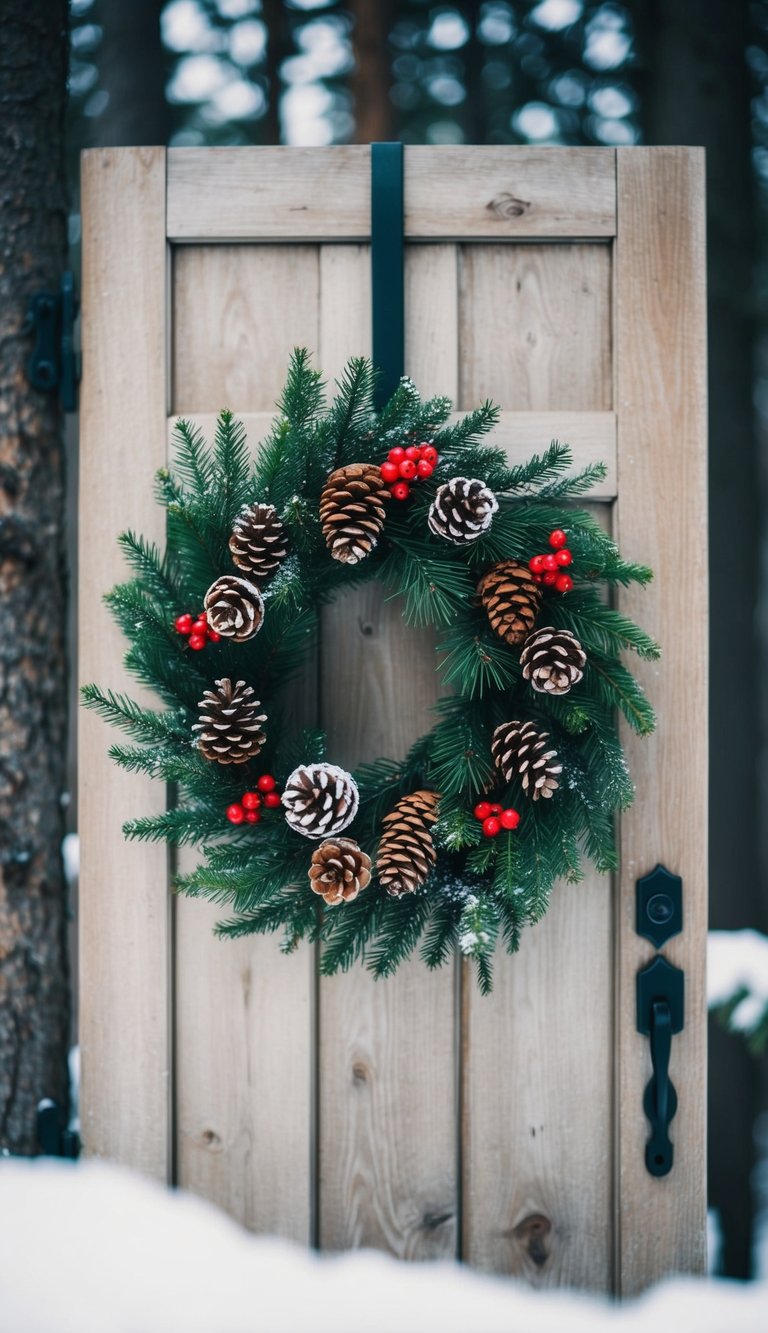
x,y
519,750
406,850
231,722
511,600
352,511
234,608
320,799
258,543
339,870
462,510
552,660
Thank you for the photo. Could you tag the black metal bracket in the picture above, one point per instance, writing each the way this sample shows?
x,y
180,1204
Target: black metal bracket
x,y
54,1137
660,1015
54,365
659,906
387,271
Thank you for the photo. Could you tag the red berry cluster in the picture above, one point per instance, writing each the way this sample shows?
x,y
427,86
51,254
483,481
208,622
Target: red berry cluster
x,y
415,463
548,569
247,809
196,629
493,818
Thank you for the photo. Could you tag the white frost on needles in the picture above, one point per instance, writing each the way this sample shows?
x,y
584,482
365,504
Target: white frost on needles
x,y
737,965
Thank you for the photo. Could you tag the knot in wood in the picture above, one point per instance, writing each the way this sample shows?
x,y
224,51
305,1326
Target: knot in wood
x,y
534,1234
506,205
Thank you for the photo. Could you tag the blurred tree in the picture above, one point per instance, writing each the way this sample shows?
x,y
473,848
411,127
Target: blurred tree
x,y
34,1006
132,75
371,76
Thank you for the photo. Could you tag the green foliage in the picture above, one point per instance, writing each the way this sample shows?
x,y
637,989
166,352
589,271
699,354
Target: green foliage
x,y
482,891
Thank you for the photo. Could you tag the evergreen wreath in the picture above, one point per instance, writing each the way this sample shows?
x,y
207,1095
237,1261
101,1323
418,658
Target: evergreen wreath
x,y
459,844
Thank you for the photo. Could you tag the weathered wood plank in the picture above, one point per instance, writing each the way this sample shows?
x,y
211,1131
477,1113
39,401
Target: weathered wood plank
x,y
125,948
261,194
661,402
387,1129
535,325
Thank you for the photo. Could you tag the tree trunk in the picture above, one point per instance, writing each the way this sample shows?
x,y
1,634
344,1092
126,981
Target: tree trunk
x,y
696,91
34,1002
372,80
132,70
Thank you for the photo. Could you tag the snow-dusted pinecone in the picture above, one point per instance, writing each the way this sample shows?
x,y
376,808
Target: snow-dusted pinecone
x,y
519,750
234,608
406,850
320,799
230,730
552,660
259,541
462,510
511,599
339,870
352,511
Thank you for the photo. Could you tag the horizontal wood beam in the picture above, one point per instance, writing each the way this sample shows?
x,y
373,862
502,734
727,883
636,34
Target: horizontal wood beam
x,y
451,193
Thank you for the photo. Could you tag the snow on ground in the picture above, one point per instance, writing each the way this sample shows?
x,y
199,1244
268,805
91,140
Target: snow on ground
x,y
737,963
90,1248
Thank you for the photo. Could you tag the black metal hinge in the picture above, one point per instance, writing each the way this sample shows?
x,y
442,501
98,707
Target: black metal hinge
x,y
54,366
54,1137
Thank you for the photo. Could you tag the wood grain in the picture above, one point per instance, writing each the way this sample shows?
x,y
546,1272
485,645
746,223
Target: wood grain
x,y
387,1131
661,402
125,939
497,192
535,327
238,313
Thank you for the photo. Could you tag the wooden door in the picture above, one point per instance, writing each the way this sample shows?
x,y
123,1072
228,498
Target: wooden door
x,y
412,1114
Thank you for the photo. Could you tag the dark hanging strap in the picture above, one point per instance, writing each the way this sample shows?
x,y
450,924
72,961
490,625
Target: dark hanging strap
x,y
387,266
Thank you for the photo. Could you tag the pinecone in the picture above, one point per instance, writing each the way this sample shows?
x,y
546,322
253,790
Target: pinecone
x,y
258,543
320,799
520,750
511,599
462,510
406,850
552,660
231,721
339,870
352,511
234,608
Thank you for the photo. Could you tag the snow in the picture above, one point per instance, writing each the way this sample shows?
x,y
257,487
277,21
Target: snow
x,y
737,960
87,1248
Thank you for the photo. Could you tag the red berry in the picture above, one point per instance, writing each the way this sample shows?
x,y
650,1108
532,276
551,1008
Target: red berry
x,y
253,817
549,563
213,636
549,579
424,469
491,826
429,453
266,782
272,800
537,578
197,641
413,453
401,490
390,472
495,808
482,810
235,814
203,616
200,627
183,624
557,538
564,583
509,819
251,800
396,455
564,557
536,564
407,469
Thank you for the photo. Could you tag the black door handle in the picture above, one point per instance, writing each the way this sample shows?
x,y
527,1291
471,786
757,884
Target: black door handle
x,y
660,1005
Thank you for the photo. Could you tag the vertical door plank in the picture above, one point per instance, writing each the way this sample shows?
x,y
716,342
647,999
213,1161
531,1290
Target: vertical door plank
x,y
124,913
245,1013
537,1053
661,402
536,326
387,1048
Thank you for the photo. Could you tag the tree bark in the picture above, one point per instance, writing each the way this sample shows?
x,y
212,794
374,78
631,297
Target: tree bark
x,y
133,71
695,90
34,1003
371,80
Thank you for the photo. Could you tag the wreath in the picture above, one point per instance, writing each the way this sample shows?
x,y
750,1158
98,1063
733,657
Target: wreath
x,y
459,844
